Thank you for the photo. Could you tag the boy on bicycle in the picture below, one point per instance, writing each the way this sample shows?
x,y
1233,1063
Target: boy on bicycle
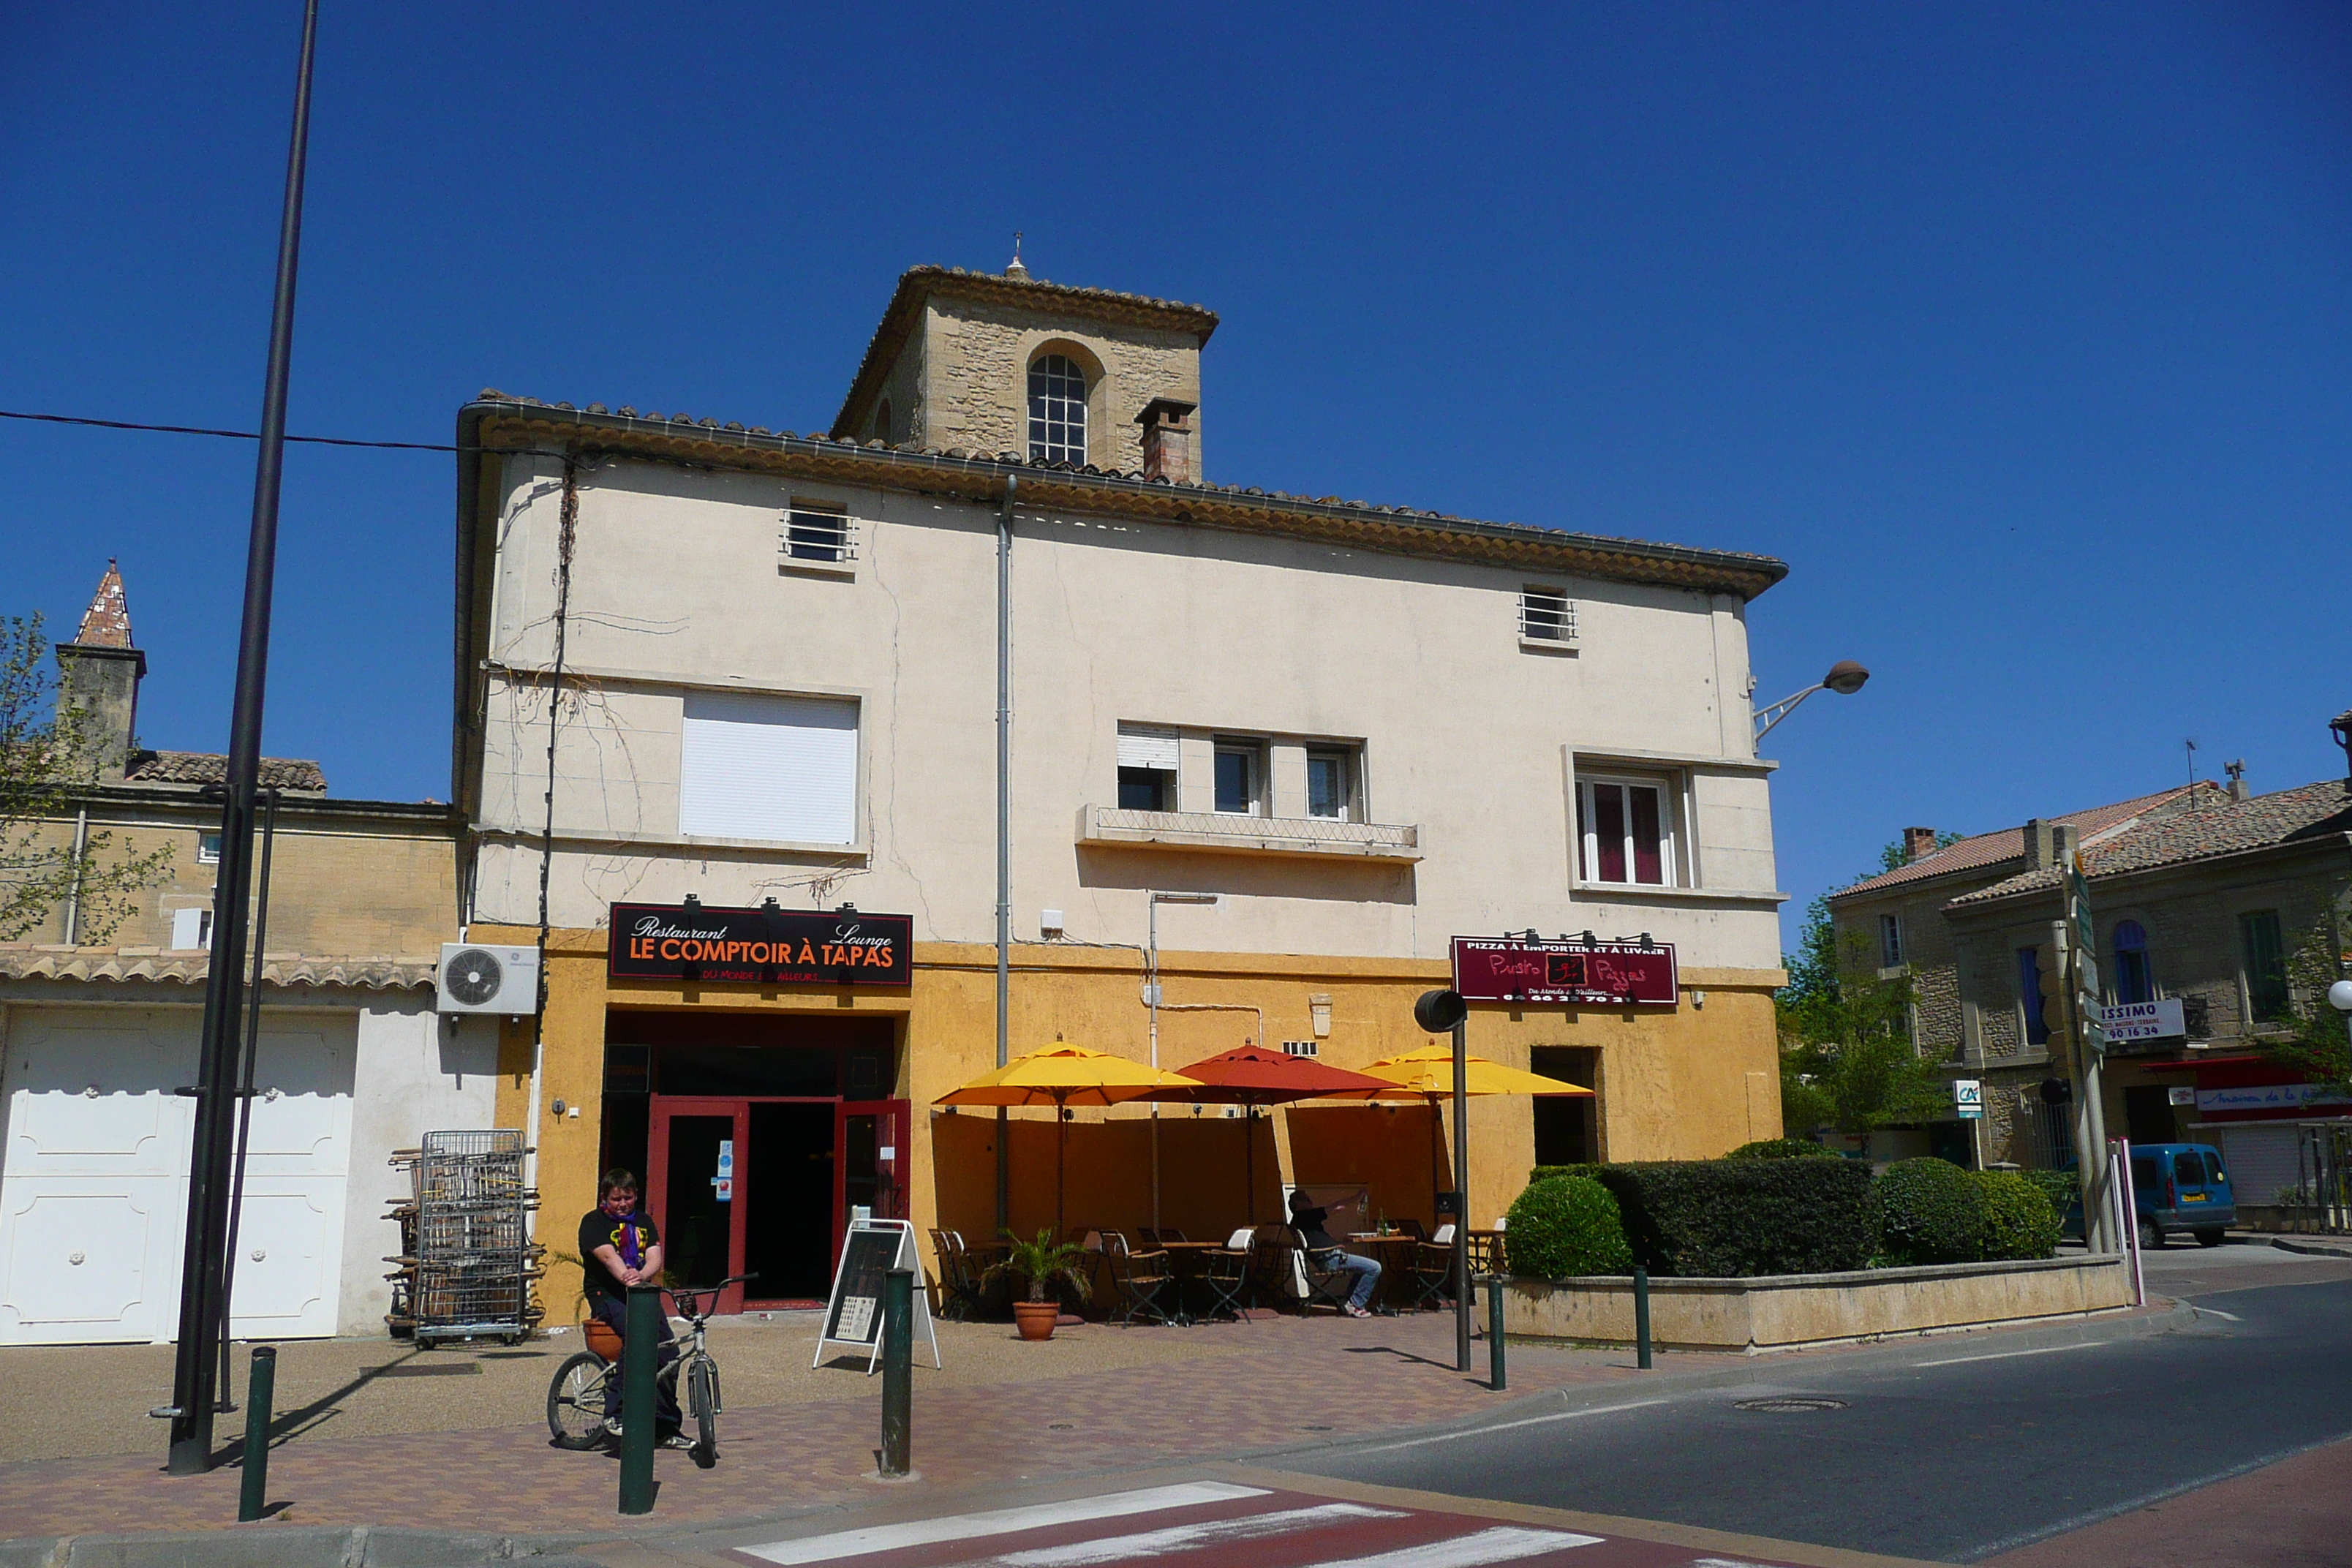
x,y
620,1248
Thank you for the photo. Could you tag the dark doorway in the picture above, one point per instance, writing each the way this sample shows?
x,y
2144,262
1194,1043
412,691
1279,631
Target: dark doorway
x,y
695,1240
2147,1114
1955,1142
1568,1127
788,1194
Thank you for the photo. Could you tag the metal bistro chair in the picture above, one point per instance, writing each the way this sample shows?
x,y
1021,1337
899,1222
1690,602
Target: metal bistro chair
x,y
1432,1269
1486,1254
1138,1278
1326,1286
959,1283
1229,1271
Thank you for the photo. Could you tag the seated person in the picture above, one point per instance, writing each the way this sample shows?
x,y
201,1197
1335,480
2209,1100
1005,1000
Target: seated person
x,y
620,1248
1306,1224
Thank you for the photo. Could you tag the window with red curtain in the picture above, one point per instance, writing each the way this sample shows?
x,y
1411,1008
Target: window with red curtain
x,y
1625,833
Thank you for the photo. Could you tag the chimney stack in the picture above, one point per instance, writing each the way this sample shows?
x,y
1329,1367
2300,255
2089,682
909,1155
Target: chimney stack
x,y
2041,844
1167,451
1918,843
98,673
2237,772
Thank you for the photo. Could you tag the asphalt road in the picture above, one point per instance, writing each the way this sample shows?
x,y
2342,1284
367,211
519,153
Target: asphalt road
x,y
1952,1448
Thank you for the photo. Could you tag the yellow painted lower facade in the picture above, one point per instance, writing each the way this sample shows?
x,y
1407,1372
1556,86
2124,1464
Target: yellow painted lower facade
x,y
1691,1082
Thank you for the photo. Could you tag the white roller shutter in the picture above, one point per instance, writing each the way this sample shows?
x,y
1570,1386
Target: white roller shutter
x,y
778,769
1147,746
2259,1158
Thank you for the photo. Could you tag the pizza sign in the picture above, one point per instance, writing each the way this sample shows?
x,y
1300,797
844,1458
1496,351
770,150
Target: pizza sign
x,y
1565,973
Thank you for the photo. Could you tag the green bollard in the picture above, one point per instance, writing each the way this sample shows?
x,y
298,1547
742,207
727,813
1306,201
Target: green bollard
x,y
253,1495
637,1399
1495,1332
1641,1315
898,1370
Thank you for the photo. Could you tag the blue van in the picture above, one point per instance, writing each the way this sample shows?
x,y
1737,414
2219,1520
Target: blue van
x,y
2179,1187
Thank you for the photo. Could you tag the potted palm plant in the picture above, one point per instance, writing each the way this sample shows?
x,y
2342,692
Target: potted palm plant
x,y
1042,1263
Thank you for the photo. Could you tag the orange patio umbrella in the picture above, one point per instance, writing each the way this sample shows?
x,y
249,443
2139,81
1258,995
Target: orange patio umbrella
x,y
1251,1076
1427,1075
1062,1076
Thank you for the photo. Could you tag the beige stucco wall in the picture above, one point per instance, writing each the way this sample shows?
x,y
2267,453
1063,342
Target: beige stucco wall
x,y
1464,733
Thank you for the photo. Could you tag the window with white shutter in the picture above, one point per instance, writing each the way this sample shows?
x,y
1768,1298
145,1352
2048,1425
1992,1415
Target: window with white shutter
x,y
1146,767
781,770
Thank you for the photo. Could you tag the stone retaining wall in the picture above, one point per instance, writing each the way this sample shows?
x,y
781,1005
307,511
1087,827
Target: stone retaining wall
x,y
1782,1311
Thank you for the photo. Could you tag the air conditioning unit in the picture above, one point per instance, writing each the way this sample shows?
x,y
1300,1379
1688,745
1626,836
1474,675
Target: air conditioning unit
x,y
478,979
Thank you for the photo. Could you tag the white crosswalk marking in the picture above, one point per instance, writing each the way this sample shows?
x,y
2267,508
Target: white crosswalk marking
x,y
996,1521
1151,1543
1504,1543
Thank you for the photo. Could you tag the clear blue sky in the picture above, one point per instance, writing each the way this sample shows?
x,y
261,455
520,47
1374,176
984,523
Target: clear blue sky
x,y
2022,332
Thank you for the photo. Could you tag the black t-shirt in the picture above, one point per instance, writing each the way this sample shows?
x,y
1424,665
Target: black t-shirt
x,y
1309,1224
597,1229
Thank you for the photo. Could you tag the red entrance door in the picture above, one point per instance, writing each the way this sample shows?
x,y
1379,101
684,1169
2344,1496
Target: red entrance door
x,y
694,1187
766,1185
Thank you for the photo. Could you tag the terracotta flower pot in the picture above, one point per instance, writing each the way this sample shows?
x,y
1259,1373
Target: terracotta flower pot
x,y
1035,1318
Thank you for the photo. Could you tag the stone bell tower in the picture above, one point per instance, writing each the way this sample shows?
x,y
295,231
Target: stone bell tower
x,y
98,673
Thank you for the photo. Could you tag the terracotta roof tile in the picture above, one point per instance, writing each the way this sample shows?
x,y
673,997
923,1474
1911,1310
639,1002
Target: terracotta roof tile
x,y
212,768
1989,849
2209,825
107,622
20,961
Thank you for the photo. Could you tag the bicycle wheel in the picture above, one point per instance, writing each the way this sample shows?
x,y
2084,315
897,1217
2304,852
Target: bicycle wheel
x,y
576,1401
702,1391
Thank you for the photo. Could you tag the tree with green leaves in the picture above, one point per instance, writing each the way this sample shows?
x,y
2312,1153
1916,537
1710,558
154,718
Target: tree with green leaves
x,y
2317,1043
45,758
1847,1059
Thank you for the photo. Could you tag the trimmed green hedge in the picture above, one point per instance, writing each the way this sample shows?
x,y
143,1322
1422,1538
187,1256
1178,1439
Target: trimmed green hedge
x,y
1726,1218
1934,1212
2019,1222
1567,1226
1548,1172
2063,1188
1782,1149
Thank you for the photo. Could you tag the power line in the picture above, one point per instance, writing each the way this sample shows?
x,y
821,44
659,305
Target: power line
x,y
233,435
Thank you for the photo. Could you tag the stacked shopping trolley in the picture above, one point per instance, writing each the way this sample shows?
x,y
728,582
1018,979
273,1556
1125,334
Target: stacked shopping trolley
x,y
467,1262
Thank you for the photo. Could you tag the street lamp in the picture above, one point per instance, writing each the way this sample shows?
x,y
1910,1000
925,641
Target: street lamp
x,y
1845,678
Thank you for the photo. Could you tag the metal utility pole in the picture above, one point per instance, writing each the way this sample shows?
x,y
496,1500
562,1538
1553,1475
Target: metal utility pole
x,y
1004,840
1461,1195
201,1294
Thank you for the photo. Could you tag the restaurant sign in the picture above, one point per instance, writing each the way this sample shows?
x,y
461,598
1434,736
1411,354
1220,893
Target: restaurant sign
x,y
1569,973
766,946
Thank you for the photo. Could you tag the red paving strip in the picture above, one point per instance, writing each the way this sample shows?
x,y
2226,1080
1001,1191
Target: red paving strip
x,y
1294,1530
1325,1385
2296,1514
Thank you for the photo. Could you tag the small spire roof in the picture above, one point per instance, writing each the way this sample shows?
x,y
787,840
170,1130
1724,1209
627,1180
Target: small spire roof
x,y
107,622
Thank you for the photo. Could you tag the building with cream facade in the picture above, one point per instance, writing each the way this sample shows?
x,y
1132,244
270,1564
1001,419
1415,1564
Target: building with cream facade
x,y
1330,736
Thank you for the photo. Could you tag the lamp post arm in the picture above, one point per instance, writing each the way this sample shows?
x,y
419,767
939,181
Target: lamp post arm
x,y
1768,717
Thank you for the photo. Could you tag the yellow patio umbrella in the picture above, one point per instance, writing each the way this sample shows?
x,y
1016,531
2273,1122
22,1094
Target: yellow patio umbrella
x,y
1427,1075
1062,1076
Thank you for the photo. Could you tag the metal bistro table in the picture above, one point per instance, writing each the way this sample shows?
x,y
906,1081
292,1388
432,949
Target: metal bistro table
x,y
1395,1254
1187,1260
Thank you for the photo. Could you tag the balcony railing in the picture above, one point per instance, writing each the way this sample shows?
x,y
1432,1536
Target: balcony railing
x,y
1312,836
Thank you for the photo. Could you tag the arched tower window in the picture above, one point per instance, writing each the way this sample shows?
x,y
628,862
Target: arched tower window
x,y
1057,410
2132,980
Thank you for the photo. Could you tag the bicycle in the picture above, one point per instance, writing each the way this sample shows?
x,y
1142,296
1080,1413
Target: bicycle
x,y
575,1396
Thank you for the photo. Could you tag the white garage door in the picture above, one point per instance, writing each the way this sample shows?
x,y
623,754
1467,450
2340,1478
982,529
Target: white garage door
x,y
93,1182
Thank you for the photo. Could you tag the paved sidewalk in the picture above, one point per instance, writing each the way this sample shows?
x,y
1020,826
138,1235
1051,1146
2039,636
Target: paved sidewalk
x,y
1230,1389
2296,1514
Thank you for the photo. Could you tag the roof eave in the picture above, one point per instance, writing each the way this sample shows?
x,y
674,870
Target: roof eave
x,y
1388,530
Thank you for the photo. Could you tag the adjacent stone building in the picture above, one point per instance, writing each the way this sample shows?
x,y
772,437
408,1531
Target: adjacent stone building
x,y
98,1031
2200,895
1300,741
